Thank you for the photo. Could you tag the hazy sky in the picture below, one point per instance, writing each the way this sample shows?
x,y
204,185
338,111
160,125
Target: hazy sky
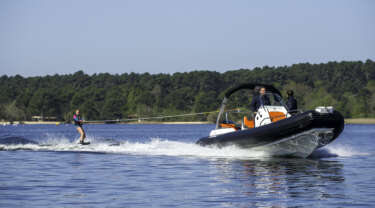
x,y
39,37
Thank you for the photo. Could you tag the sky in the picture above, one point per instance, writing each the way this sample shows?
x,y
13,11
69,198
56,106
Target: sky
x,y
47,37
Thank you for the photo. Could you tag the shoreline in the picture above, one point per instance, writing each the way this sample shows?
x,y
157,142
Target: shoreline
x,y
3,123
360,121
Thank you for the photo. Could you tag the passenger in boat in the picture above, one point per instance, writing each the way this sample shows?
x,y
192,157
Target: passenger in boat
x,y
78,122
259,100
291,103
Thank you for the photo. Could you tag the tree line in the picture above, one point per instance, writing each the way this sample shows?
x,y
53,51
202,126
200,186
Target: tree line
x,y
349,86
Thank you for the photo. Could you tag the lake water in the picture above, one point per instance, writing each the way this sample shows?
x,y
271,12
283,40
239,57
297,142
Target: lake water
x,y
160,166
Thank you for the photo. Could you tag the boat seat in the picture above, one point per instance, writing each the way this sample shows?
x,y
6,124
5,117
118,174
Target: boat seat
x,y
225,125
248,123
277,116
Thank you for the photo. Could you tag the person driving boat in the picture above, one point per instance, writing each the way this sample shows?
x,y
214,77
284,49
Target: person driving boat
x,y
260,99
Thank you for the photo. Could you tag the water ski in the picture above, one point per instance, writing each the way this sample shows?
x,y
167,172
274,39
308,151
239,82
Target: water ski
x,y
84,143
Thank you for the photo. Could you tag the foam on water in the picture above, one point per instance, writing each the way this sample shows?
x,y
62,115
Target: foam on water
x,y
156,146
159,146
345,150
337,151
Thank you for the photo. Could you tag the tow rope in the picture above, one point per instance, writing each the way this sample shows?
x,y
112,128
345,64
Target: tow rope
x,y
139,119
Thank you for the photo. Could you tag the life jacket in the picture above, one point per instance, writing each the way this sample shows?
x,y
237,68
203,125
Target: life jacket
x,y
77,120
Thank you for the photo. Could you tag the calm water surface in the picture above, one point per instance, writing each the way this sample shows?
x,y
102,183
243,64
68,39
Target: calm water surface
x,y
160,166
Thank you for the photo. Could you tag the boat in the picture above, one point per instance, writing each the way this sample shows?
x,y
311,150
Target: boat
x,y
273,129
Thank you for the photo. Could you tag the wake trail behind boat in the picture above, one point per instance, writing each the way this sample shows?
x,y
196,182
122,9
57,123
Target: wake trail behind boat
x,y
157,146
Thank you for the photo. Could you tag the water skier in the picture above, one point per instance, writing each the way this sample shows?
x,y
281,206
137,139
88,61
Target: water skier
x,y
78,122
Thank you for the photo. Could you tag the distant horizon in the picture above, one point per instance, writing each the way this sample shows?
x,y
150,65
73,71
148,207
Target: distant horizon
x,y
171,73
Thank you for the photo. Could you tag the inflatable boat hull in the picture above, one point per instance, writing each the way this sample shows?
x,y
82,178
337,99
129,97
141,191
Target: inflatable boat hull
x,y
297,136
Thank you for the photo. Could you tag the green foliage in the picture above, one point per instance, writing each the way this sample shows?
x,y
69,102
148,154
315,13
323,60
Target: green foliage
x,y
348,86
12,112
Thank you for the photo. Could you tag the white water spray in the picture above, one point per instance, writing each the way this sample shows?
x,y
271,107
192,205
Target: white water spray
x,y
158,146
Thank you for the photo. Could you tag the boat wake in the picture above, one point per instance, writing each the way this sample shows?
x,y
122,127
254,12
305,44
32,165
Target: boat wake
x,y
157,146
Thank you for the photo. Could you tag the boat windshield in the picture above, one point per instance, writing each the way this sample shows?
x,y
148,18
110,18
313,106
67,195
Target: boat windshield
x,y
275,99
238,106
